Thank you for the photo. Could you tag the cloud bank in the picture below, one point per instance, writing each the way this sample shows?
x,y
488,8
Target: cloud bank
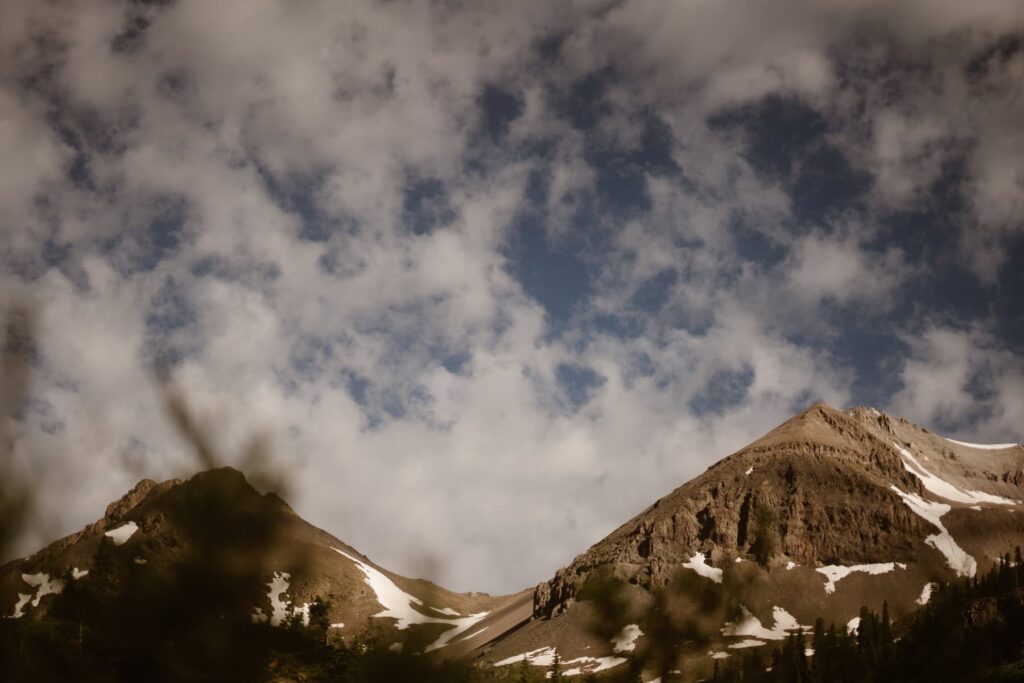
x,y
492,278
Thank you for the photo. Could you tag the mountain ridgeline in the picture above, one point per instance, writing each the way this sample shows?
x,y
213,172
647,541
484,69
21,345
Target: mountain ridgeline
x,y
887,532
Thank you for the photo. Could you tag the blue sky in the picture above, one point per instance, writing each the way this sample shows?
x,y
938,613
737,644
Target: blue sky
x,y
492,278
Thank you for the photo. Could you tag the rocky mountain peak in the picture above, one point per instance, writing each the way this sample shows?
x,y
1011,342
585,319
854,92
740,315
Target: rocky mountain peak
x,y
820,489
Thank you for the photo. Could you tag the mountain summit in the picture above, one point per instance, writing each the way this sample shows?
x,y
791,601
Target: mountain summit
x,y
828,512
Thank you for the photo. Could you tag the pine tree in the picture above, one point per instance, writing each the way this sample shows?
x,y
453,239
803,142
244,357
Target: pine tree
x,y
319,621
820,651
635,674
556,669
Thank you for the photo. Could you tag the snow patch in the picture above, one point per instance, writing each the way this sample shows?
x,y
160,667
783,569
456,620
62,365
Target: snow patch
x,y
852,625
398,605
446,610
745,643
121,534
474,634
19,606
943,488
834,573
985,446
140,560
749,471
625,640
589,665
77,573
304,611
718,655
280,606
699,565
545,656
338,625
958,559
926,594
790,565
750,626
42,586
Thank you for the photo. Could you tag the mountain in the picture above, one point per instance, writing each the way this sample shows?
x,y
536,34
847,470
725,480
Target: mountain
x,y
215,534
828,512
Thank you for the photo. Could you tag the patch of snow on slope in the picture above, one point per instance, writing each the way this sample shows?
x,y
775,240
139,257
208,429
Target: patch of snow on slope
x,y
398,604
962,563
625,640
785,621
589,665
750,626
304,611
279,603
446,610
77,573
790,565
543,656
699,565
749,471
745,643
280,606
338,625
42,586
19,606
718,655
121,534
852,625
926,594
474,634
834,573
985,446
943,488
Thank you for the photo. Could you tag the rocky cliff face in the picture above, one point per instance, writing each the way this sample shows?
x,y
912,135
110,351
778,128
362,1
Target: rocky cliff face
x,y
815,491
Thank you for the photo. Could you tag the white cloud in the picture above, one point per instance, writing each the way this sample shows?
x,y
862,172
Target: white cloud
x,y
964,381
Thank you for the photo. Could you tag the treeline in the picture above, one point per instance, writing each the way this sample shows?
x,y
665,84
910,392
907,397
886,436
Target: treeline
x,y
970,631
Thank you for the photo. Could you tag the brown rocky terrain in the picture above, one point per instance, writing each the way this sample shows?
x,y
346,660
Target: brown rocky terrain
x,y
852,495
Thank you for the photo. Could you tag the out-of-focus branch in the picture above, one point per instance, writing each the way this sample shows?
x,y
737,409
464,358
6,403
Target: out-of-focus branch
x,y
17,349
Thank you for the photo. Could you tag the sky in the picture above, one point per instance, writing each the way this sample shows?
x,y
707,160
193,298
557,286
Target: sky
x,y
491,277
